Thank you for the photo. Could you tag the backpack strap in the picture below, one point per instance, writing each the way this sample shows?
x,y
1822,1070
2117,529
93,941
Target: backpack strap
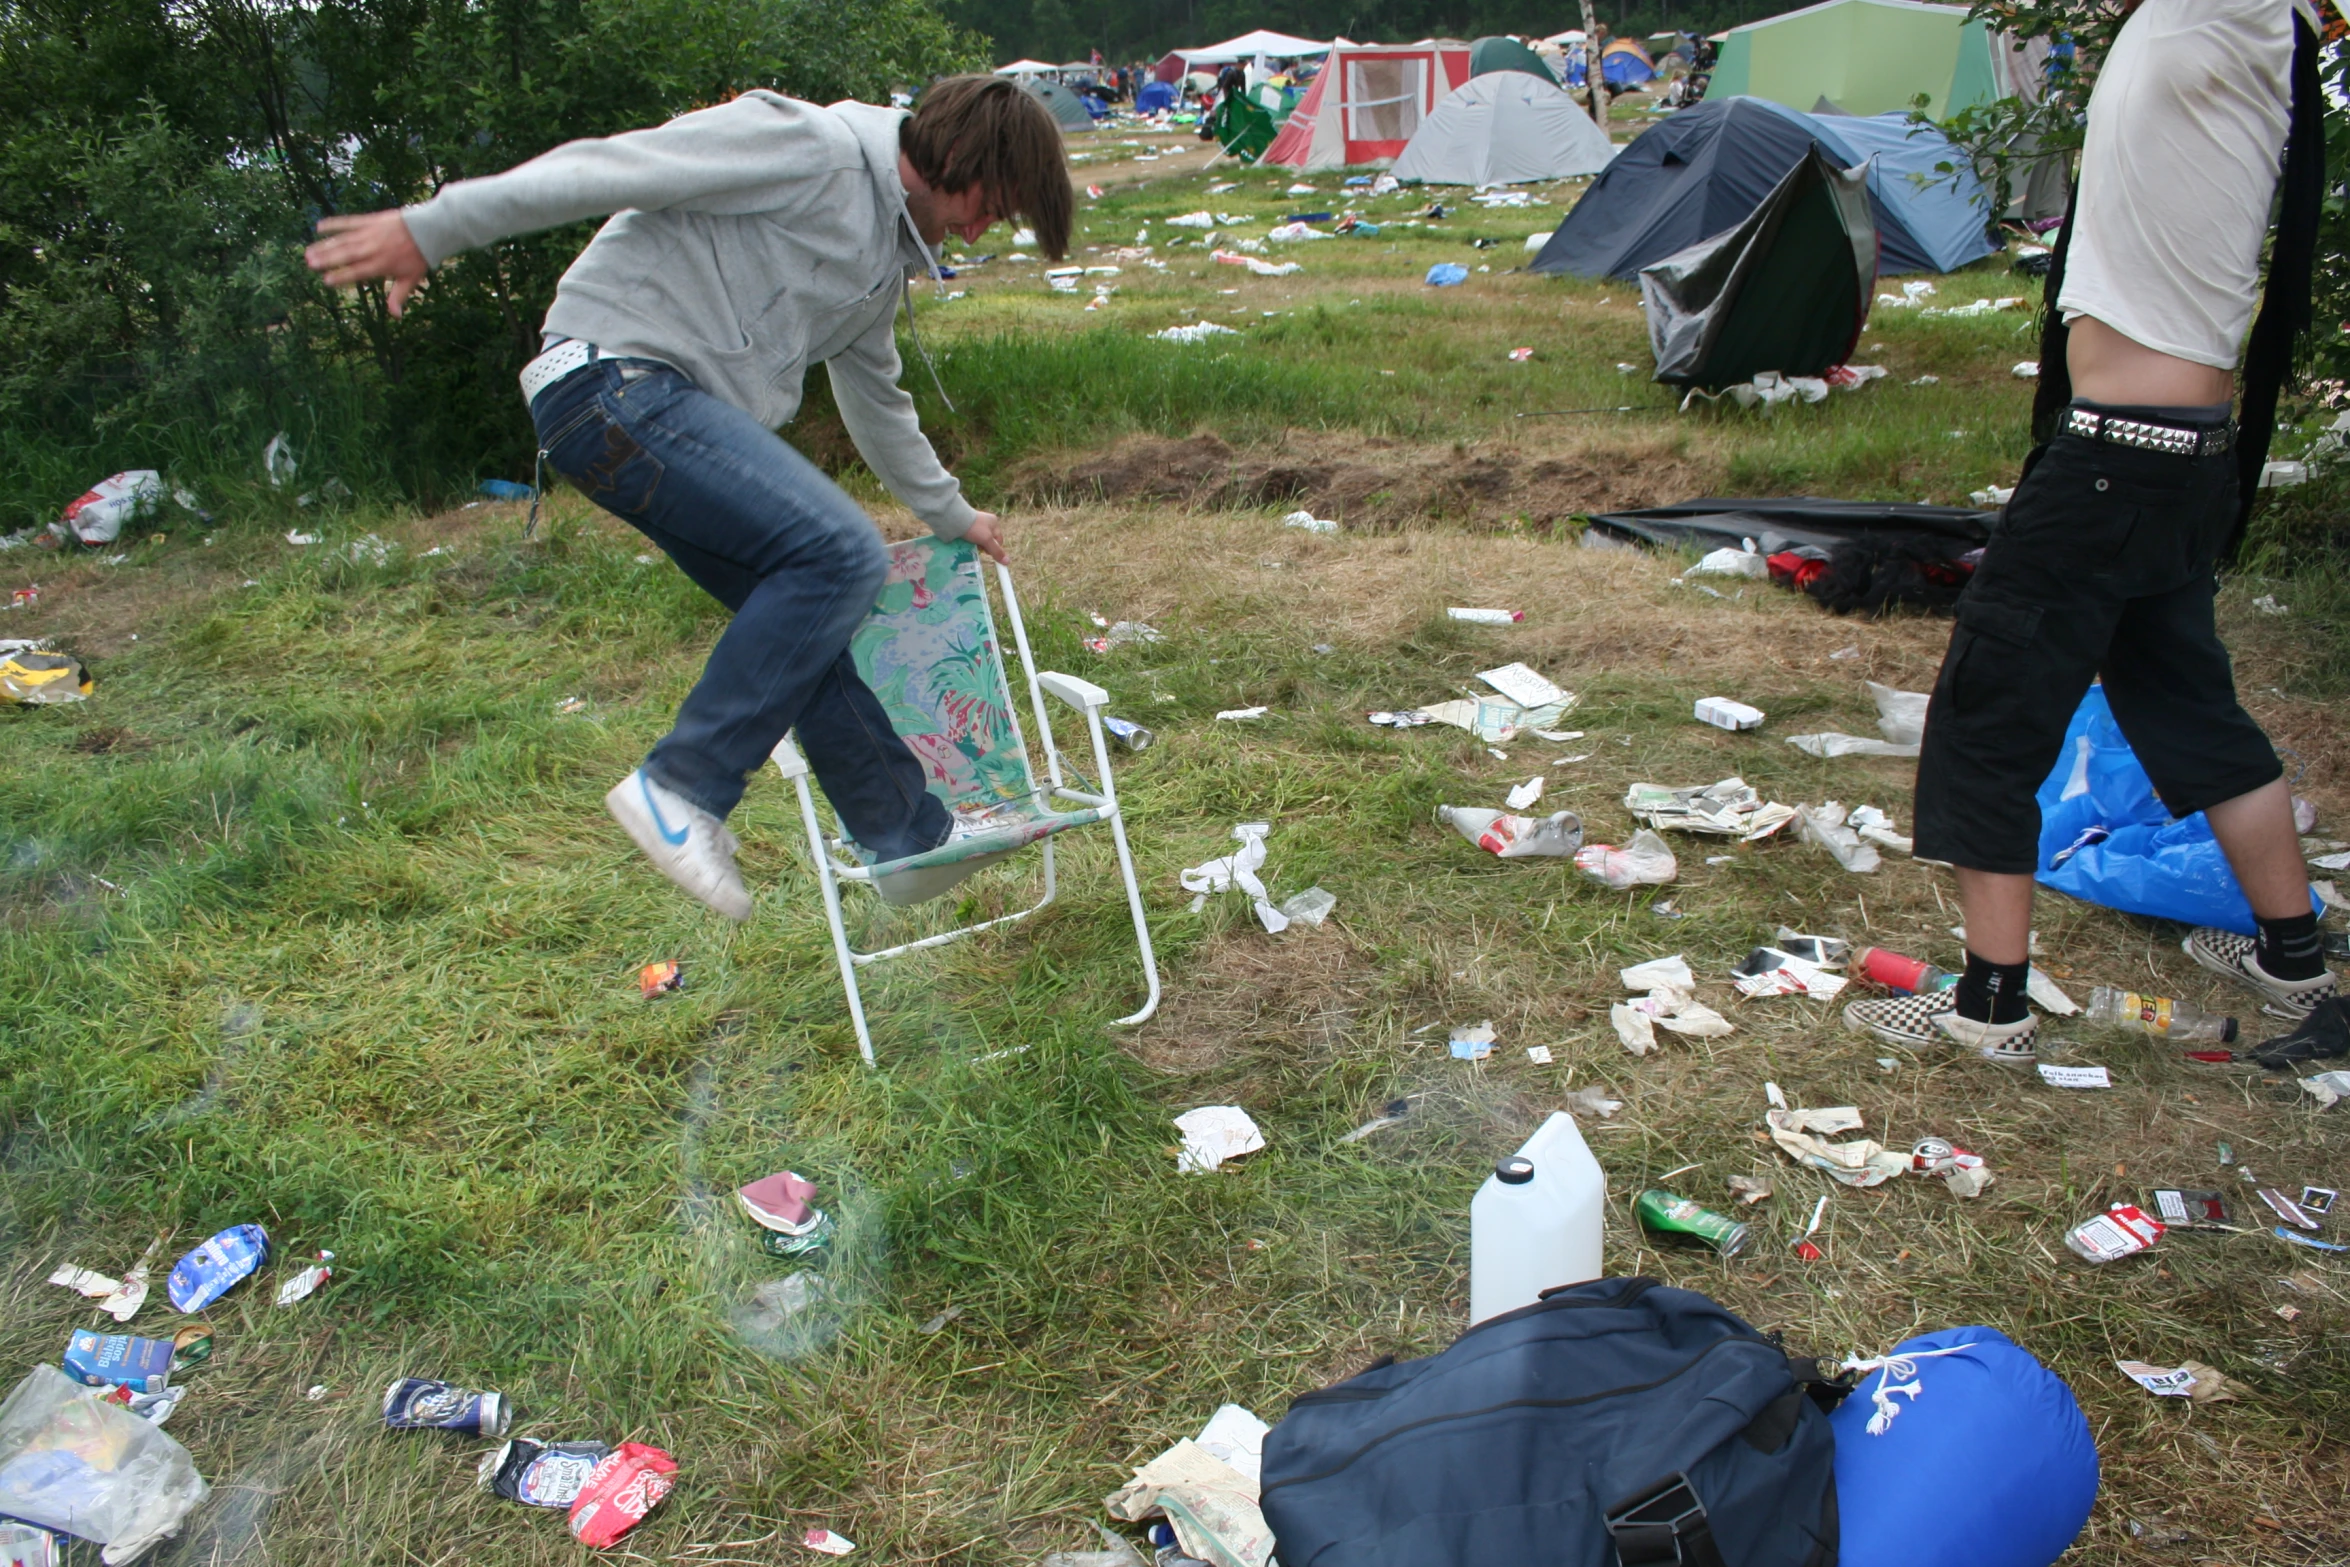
x,y
1664,1526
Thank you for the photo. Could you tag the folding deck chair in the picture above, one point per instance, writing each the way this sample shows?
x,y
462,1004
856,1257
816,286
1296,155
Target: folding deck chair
x,y
931,654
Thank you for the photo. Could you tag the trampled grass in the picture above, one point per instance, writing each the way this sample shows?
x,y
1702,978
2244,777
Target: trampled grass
x,y
312,918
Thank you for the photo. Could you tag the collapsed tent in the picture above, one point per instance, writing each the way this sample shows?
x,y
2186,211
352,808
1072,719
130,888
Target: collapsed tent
x,y
1241,127
1503,128
1875,56
1786,290
1367,102
1488,55
1847,555
1707,168
1067,108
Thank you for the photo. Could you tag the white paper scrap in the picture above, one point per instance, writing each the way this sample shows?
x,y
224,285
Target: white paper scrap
x,y
1473,1041
1538,1054
1237,1436
2176,1382
2075,1076
1213,1134
1672,972
1526,793
1522,685
1233,714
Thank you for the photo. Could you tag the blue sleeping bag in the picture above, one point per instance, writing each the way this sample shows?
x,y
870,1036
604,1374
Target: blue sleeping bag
x,y
1977,1457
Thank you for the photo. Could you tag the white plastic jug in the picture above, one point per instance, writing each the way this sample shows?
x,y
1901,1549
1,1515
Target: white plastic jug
x,y
1535,1223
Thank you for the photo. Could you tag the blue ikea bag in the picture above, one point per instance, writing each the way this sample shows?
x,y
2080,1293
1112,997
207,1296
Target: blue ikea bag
x,y
2147,863
1976,1456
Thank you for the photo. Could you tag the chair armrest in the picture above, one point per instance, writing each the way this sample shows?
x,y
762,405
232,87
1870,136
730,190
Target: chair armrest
x,y
1081,694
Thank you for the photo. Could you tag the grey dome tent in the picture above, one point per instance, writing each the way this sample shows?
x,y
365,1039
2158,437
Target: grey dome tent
x,y
1786,290
1501,128
1707,168
1487,55
1067,107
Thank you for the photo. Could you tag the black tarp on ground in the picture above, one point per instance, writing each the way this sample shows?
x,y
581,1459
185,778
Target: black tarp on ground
x,y
1786,290
1874,554
1706,168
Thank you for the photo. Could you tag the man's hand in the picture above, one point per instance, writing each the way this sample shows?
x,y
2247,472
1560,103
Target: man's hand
x,y
369,247
987,534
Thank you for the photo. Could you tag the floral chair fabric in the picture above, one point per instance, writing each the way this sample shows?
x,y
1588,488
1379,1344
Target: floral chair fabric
x,y
928,650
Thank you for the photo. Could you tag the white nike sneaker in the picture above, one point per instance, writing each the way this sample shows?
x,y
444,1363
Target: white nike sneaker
x,y
686,843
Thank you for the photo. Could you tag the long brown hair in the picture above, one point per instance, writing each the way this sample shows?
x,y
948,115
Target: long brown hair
x,y
987,131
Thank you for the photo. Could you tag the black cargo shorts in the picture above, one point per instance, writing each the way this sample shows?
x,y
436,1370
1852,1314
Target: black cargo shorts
x,y
2102,568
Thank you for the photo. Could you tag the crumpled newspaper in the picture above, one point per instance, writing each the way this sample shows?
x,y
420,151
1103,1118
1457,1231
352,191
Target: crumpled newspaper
x,y
1212,1505
1802,1135
1768,971
1238,869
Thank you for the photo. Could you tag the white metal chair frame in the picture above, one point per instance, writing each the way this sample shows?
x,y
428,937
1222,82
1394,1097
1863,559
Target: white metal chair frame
x,y
833,867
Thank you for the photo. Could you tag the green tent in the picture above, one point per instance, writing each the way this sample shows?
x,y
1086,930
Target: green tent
x,y
1067,107
1487,55
1241,128
1874,57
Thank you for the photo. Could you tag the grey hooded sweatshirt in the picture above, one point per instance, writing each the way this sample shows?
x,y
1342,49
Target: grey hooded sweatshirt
x,y
751,240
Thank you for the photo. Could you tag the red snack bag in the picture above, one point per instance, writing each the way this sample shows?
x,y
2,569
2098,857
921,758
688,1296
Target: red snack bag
x,y
624,1487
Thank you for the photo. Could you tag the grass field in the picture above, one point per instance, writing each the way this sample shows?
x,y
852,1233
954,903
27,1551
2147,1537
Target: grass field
x,y
313,919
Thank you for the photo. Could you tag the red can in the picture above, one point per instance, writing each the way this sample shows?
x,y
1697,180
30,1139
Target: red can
x,y
1904,976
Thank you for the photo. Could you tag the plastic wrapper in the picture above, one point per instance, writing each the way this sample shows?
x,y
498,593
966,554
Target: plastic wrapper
x,y
214,1268
1643,862
1515,837
622,1489
71,1460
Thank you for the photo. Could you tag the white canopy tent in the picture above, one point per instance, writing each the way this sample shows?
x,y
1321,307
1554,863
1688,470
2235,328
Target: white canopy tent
x,y
1248,46
1028,68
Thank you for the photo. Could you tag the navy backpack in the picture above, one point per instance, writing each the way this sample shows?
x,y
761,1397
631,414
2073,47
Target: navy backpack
x,y
1620,1421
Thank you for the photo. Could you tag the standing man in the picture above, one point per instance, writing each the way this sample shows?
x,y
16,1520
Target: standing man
x,y
752,240
2104,562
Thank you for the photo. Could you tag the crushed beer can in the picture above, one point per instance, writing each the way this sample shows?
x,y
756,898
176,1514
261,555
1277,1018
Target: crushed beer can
x,y
192,1344
1667,1214
540,1474
619,1492
214,1268
659,979
776,1243
422,1404
2123,1230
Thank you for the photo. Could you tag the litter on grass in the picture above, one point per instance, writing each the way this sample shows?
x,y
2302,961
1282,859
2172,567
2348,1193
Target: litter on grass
x,y
32,678
1197,332
1826,826
660,979
1643,862
1310,907
1901,717
1472,1041
1723,713
1538,1054
1309,522
1447,274
2075,1076
1730,809
2192,1380
1486,617
1589,1100
214,1268
1237,714
1205,1494
1213,1134
1525,794
305,1283
2123,1230
1768,971
1512,837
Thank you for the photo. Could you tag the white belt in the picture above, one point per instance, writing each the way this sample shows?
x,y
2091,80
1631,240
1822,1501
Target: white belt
x,y
553,365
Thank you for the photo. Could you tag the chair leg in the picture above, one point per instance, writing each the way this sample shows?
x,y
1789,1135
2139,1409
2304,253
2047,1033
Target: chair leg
x,y
840,934
1142,930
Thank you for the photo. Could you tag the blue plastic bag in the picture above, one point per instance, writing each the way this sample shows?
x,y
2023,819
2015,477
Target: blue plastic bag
x,y
1979,1457
2144,862
1447,274
213,1269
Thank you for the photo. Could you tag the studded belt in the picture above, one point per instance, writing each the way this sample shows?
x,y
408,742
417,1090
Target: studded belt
x,y
2177,440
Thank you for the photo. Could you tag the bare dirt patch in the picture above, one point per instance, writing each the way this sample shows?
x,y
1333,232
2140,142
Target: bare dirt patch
x,y
1367,482
1244,998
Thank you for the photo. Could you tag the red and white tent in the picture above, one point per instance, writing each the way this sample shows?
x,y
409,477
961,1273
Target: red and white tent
x,y
1367,102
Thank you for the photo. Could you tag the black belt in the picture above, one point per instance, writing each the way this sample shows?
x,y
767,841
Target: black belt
x,y
2178,440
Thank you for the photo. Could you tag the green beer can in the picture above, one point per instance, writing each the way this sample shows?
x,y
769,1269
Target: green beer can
x,y
1670,1215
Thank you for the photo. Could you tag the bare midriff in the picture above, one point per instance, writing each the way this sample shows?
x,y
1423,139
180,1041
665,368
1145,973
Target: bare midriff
x,y
2108,367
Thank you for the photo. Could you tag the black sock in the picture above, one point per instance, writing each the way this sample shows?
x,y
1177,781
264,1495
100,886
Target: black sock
x,y
2290,948
1991,992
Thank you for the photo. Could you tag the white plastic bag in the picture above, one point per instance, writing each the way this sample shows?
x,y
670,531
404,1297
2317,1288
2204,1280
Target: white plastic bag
x,y
70,1460
1514,837
1644,862
99,516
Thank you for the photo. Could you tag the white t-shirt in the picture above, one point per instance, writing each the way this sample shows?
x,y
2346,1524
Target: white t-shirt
x,y
2186,125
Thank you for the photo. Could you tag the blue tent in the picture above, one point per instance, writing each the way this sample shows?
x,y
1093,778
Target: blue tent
x,y
1151,97
1705,169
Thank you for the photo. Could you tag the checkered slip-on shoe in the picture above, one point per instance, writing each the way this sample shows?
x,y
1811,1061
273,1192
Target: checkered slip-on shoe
x,y
1902,1020
2238,957
2010,1044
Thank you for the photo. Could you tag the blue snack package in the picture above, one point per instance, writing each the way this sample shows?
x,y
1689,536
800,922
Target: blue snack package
x,y
213,1269
118,1360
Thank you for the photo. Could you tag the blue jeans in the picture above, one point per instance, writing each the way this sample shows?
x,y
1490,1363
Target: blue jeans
x,y
760,529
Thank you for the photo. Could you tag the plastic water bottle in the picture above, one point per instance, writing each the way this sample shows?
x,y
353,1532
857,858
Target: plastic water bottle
x,y
2159,1015
1535,1223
